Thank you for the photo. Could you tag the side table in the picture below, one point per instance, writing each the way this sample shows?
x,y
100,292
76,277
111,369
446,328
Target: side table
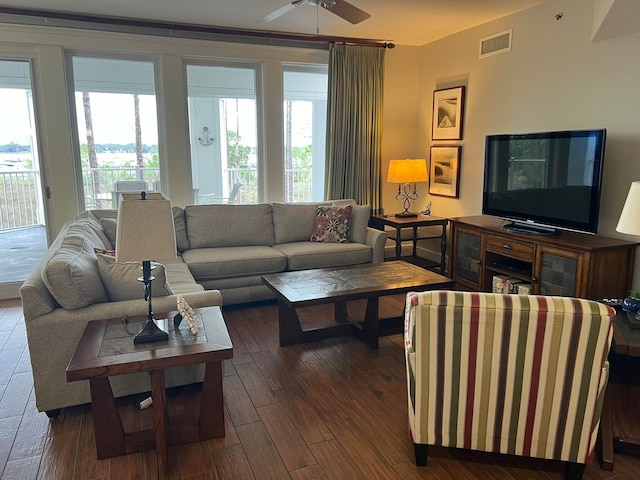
x,y
106,349
620,421
399,223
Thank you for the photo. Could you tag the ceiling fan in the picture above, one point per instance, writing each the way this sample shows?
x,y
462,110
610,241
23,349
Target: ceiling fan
x,y
341,8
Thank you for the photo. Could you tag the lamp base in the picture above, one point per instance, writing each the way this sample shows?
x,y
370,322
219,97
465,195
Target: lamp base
x,y
150,333
406,214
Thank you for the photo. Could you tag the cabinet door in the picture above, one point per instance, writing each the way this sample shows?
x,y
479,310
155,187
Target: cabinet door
x,y
559,272
468,257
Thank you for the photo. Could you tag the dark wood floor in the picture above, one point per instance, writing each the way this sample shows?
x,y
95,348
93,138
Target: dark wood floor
x,y
328,410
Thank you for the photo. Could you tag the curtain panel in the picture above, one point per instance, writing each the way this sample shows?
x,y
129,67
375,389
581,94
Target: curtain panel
x,y
354,124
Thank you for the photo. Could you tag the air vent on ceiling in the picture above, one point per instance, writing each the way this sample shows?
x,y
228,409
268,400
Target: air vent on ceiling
x,y
496,43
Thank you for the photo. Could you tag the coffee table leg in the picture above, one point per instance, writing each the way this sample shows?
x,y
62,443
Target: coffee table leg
x,y
212,403
158,394
289,325
341,314
107,425
370,324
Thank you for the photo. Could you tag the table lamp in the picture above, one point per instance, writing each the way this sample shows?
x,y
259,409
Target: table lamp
x,y
145,232
629,223
408,171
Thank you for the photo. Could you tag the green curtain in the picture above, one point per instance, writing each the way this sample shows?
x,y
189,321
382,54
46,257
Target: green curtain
x,y
354,124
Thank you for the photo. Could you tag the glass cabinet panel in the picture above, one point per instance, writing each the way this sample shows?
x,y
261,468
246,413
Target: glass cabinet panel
x,y
468,259
558,275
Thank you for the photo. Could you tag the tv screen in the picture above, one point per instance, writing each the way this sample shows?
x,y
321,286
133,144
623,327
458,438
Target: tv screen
x,y
544,181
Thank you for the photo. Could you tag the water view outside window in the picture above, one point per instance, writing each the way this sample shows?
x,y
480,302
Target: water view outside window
x,y
117,128
23,238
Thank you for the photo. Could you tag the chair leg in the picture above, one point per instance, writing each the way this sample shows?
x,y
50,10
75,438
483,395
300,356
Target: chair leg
x,y
421,450
573,471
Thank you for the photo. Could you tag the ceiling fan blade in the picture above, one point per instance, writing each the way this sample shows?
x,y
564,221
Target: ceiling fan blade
x,y
349,12
278,12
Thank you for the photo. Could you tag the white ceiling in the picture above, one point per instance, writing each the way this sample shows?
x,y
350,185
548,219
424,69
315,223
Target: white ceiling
x,y
404,22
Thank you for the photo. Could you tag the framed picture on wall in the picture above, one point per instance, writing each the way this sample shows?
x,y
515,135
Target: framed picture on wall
x,y
444,171
448,107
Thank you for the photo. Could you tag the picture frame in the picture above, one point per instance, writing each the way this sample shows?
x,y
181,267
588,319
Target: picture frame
x,y
444,171
448,112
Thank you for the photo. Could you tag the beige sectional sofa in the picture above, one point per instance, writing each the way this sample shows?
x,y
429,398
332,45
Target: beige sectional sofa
x,y
223,252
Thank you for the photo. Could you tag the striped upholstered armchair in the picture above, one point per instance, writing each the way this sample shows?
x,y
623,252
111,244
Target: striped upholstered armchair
x,y
516,374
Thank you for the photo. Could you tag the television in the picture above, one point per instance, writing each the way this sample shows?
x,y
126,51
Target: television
x,y
546,181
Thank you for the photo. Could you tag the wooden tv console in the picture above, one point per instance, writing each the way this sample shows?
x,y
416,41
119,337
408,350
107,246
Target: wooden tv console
x,y
566,264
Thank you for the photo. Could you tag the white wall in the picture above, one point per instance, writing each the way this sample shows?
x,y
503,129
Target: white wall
x,y
554,78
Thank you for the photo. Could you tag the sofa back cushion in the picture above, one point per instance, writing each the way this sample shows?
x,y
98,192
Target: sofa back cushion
x,y
224,225
293,222
182,241
70,272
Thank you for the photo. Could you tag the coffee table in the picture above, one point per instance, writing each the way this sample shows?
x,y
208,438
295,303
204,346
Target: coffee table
x,y
342,284
106,349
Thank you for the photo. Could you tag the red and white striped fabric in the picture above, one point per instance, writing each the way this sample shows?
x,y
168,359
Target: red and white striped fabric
x,y
516,374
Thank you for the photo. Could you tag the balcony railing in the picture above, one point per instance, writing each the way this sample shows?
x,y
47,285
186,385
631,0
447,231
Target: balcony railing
x,y
20,204
20,199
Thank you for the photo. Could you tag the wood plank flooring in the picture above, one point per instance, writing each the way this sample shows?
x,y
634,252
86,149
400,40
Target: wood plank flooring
x,y
327,410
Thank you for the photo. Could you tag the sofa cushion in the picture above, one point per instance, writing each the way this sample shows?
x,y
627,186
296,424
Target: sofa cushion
x,y
182,241
89,225
360,215
70,272
109,227
331,224
304,255
224,225
293,222
120,279
223,262
180,278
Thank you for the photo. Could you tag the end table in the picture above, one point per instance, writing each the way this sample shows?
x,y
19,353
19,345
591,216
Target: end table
x,y
382,221
106,349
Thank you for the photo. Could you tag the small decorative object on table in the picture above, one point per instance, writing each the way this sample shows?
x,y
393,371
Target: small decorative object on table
x,y
427,208
186,312
632,302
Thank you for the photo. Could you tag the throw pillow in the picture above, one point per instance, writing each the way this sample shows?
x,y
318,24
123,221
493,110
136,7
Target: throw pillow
x,y
111,253
120,279
331,224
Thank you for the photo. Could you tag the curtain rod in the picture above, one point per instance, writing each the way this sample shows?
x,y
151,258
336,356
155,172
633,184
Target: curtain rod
x,y
180,30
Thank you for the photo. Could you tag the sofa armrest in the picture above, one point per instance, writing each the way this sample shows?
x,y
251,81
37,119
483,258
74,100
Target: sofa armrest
x,y
376,239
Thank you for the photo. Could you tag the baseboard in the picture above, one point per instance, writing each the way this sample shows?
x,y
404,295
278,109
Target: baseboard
x,y
9,290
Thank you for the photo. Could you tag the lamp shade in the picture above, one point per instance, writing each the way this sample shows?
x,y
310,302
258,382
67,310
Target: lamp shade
x,y
145,228
630,217
410,170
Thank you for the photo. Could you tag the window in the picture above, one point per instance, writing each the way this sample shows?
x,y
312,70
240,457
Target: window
x,y
117,128
223,131
305,113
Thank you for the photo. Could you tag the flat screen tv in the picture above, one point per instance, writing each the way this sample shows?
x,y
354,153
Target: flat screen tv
x,y
544,181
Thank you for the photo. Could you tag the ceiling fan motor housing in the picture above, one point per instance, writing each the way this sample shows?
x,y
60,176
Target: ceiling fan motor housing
x,y
322,3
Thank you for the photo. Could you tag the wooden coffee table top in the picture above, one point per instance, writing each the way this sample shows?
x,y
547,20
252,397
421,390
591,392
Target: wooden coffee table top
x,y
626,340
106,347
324,285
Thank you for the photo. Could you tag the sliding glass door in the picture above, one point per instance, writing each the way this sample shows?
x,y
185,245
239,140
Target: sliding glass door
x,y
23,238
